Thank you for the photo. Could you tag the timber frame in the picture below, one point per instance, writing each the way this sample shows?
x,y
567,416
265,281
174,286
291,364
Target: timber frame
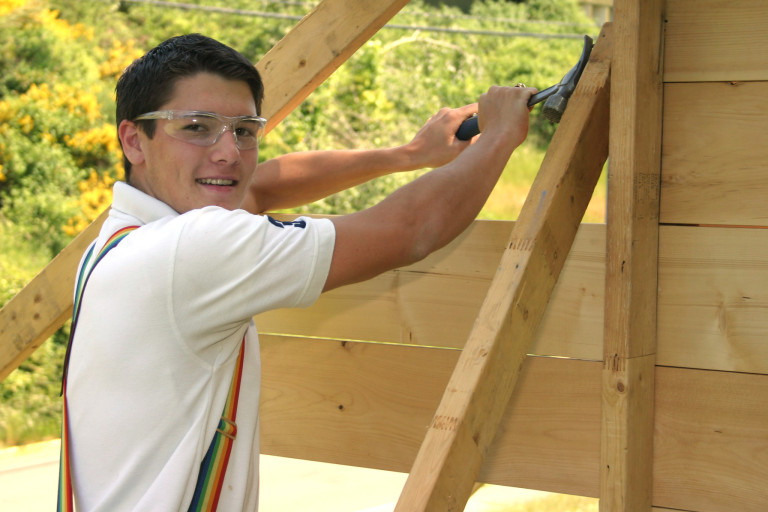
x,y
646,379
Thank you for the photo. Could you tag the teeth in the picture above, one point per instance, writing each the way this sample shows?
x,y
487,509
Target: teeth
x,y
213,181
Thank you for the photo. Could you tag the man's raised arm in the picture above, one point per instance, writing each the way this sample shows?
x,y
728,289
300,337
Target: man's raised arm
x,y
429,212
300,178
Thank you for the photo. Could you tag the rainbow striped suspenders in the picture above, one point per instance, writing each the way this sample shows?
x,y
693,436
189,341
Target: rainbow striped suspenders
x,y
214,464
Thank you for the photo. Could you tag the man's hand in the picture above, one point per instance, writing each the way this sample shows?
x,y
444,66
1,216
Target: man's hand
x,y
502,109
436,144
498,109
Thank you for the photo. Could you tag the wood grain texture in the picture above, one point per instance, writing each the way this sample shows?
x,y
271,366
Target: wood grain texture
x,y
715,153
631,257
368,404
715,40
711,441
481,385
435,302
43,305
713,298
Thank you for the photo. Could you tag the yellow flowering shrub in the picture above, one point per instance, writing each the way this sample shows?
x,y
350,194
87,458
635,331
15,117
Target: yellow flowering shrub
x,y
65,120
95,197
8,6
119,57
49,19
95,145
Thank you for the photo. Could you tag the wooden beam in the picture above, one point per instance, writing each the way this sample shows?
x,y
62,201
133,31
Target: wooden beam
x,y
631,258
367,404
716,41
482,383
710,440
43,305
712,300
435,301
321,42
291,71
723,183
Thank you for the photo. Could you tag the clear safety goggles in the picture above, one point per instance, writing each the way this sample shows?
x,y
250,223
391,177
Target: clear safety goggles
x,y
205,128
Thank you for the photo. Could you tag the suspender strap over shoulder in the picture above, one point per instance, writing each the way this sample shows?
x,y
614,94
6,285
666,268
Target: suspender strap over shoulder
x,y
214,464
65,502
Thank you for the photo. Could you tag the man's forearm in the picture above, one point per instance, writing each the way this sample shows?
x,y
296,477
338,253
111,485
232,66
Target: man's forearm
x,y
300,178
448,199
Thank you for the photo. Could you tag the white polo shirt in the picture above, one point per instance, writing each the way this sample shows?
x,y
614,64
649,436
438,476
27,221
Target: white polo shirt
x,y
160,327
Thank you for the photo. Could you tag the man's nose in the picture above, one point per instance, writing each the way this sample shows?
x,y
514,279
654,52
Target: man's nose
x,y
225,145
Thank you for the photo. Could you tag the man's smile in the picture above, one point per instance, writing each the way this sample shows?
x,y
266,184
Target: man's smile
x,y
217,181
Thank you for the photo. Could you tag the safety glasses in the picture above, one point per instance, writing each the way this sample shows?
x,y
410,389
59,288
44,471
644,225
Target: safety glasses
x,y
205,128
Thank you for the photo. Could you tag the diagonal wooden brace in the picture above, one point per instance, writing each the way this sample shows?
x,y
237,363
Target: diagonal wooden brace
x,y
291,70
482,383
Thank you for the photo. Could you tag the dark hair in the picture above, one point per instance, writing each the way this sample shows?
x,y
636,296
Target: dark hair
x,y
149,81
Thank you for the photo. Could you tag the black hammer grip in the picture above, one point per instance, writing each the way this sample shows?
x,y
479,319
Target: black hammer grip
x,y
470,128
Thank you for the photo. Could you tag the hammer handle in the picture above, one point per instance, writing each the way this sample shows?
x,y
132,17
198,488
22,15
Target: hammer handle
x,y
470,128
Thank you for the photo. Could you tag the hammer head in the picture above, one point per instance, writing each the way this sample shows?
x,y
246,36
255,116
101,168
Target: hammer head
x,y
558,95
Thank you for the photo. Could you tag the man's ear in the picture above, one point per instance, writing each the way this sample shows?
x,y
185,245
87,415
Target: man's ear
x,y
128,132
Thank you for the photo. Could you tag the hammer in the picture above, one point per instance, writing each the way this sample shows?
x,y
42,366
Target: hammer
x,y
556,96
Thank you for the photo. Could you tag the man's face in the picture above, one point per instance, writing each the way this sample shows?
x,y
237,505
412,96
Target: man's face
x,y
187,176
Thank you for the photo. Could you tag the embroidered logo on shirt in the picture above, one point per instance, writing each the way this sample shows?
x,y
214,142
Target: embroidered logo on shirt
x,y
282,224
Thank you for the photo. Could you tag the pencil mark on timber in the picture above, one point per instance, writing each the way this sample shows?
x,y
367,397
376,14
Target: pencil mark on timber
x,y
647,186
447,423
615,363
522,244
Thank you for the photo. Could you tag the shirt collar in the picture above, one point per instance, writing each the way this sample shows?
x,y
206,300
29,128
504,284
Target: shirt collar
x,y
132,202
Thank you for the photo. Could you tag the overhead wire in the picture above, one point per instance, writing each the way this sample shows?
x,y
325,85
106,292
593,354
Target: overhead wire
x,y
391,26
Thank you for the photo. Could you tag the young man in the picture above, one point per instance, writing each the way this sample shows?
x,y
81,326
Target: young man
x,y
166,312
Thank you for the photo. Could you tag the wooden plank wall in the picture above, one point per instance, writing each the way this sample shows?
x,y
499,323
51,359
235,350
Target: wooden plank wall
x,y
355,378
711,425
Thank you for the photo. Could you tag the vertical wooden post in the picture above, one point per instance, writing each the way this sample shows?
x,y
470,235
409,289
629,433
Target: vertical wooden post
x,y
484,378
631,257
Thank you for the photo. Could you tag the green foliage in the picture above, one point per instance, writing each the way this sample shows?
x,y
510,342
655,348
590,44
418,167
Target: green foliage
x,y
59,60
30,406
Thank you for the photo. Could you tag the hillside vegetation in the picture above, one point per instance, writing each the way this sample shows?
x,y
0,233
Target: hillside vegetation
x,y
59,155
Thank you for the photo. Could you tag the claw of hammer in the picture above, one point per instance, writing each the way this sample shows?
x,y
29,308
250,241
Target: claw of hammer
x,y
556,96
